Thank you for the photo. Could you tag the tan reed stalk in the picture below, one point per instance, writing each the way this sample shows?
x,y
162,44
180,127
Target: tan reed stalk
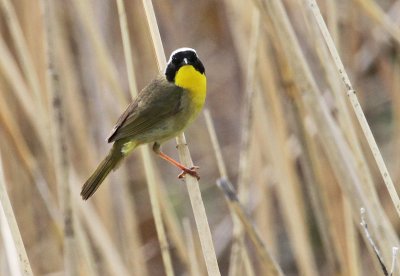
x,y
194,264
23,152
10,125
103,241
236,208
248,268
155,205
265,212
377,14
244,167
59,136
191,182
82,18
333,143
352,248
85,254
240,23
348,128
372,244
127,48
84,14
332,19
313,192
22,258
104,62
74,103
107,68
215,144
357,195
351,93
24,57
288,189
329,190
320,182
12,129
149,168
11,264
11,73
371,48
239,255
127,232
396,105
98,233
234,203
171,222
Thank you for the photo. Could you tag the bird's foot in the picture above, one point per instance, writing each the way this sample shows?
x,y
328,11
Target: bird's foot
x,y
192,171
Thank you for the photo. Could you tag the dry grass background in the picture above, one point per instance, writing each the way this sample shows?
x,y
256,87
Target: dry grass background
x,y
280,127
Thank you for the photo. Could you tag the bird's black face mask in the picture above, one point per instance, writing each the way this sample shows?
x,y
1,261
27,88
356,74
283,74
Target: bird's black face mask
x,y
182,57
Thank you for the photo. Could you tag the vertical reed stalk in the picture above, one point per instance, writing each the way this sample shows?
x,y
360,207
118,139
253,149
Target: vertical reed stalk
x,y
191,249
59,137
25,58
21,258
236,208
108,70
331,138
351,93
376,13
244,167
191,182
102,240
149,168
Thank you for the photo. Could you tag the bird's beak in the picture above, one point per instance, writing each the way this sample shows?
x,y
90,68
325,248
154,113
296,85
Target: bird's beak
x,y
185,60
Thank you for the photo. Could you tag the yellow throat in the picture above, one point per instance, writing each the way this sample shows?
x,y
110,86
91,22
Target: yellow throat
x,y
192,80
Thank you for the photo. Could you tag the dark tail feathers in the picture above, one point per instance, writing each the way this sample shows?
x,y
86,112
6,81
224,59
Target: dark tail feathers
x,y
110,162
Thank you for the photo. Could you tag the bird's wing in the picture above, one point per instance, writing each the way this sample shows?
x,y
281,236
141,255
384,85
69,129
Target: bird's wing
x,y
156,102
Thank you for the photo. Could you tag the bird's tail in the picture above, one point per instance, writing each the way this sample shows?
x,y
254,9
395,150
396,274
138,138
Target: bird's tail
x,y
109,163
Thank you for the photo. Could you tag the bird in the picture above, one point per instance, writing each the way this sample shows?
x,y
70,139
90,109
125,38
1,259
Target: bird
x,y
160,112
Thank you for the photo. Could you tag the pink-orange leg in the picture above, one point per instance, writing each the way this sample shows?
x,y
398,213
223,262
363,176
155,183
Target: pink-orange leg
x,y
192,171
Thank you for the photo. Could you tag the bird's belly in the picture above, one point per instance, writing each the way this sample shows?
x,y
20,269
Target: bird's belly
x,y
164,131
173,126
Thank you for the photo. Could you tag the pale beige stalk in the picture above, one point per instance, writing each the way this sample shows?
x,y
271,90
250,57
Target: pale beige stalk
x,y
351,93
25,58
377,14
234,203
59,136
149,168
191,182
191,249
98,233
237,209
107,68
332,140
22,258
238,246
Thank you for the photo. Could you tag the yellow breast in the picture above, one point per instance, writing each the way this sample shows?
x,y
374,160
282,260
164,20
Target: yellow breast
x,y
193,81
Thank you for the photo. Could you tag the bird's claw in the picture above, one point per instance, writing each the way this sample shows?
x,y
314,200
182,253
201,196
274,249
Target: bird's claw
x,y
192,171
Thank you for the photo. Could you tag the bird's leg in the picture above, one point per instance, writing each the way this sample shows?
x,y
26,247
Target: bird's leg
x,y
192,171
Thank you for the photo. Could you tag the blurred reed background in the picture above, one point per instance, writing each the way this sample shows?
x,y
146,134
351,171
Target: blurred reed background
x,y
282,131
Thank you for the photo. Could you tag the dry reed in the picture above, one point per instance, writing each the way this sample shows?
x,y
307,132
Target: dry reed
x,y
192,183
287,134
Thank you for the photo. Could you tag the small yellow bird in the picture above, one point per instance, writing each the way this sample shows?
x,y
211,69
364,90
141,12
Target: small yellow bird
x,y
162,110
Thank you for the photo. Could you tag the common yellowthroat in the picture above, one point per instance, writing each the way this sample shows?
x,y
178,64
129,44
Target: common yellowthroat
x,y
162,110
